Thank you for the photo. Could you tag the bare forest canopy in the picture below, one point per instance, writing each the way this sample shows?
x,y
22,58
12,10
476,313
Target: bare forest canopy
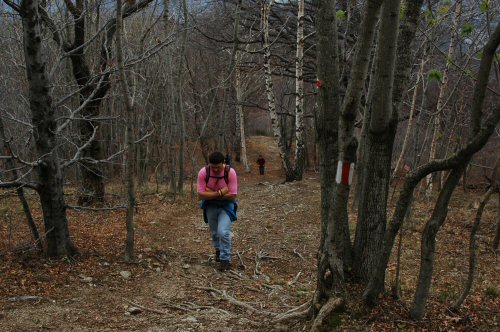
x,y
103,103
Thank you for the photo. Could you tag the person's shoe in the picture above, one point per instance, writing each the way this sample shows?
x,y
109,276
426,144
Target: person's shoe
x,y
217,255
224,266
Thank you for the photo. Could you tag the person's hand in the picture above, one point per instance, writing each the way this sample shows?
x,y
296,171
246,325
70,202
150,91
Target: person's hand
x,y
224,191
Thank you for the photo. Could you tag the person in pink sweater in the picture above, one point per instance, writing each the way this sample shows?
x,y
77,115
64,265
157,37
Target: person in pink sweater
x,y
217,189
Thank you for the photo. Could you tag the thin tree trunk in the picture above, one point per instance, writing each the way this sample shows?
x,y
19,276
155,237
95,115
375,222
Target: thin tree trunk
x,y
129,109
19,190
271,99
472,249
496,241
437,134
226,84
93,91
428,246
241,116
300,156
410,120
180,100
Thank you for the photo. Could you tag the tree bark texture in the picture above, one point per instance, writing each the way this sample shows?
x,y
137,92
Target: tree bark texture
x,y
50,189
402,65
372,215
271,99
330,278
347,141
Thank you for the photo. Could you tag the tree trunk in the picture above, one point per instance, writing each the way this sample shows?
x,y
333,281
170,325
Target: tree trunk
x,y
180,100
93,91
428,246
19,190
347,141
241,116
129,140
382,128
50,189
472,250
300,156
437,134
330,277
410,121
270,94
227,81
479,137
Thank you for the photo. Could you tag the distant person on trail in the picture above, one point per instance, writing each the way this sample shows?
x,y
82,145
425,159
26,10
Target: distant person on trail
x,y
217,188
262,162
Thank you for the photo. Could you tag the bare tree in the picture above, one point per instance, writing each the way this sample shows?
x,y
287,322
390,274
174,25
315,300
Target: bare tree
x,y
129,110
50,180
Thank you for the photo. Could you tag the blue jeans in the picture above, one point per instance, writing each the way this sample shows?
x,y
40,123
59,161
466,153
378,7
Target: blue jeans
x,y
220,231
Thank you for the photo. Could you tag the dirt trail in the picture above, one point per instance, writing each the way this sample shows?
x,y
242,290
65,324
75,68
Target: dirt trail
x,y
176,287
273,261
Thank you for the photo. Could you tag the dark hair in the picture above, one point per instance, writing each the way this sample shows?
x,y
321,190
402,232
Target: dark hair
x,y
216,158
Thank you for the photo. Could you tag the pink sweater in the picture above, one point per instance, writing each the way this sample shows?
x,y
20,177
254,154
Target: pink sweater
x,y
217,183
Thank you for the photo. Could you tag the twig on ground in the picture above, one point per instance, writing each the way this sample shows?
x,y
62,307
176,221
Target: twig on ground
x,y
241,260
294,280
149,309
265,255
237,275
234,275
298,254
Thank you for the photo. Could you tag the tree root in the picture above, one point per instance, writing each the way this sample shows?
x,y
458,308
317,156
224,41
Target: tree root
x,y
223,295
301,311
332,305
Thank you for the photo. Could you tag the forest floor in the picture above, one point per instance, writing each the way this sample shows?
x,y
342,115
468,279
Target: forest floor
x,y
174,285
